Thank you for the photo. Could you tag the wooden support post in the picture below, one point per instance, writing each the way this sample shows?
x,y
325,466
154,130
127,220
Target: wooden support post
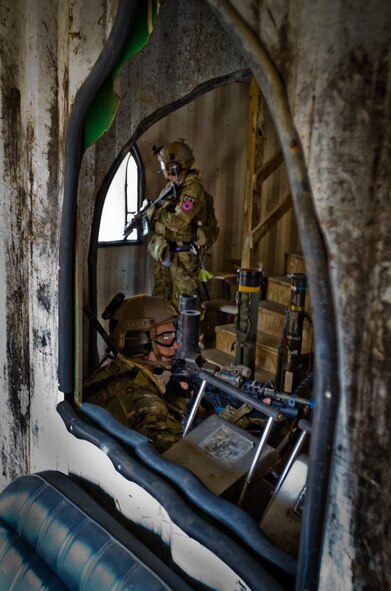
x,y
251,161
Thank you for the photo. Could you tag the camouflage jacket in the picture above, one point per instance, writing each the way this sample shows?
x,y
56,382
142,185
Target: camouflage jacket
x,y
136,398
178,222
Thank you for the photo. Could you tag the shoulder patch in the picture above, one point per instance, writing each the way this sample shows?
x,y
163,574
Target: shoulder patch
x,y
187,204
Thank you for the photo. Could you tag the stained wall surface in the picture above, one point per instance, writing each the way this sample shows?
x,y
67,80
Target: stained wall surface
x,y
45,55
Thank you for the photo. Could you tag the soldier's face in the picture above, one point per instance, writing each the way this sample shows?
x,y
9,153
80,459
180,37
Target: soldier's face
x,y
166,341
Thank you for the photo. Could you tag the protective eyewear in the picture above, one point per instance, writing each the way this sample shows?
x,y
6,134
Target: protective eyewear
x,y
171,168
166,339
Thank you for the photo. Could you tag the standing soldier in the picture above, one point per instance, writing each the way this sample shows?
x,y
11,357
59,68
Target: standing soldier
x,y
184,226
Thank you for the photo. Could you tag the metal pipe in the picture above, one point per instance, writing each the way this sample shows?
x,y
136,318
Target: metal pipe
x,y
294,333
261,444
194,409
265,409
188,333
290,461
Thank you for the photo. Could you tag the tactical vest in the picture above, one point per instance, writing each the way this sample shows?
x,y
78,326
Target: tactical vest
x,y
211,225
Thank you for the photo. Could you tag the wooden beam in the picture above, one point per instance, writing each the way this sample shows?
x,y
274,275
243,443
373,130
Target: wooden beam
x,y
264,171
264,227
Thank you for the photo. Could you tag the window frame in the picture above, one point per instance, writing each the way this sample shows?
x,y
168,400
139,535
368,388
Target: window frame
x,y
134,152
95,245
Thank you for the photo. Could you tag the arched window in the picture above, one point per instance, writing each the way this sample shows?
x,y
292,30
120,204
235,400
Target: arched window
x,y
121,201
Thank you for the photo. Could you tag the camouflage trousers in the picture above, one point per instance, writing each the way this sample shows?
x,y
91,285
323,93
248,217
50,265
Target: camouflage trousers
x,y
180,278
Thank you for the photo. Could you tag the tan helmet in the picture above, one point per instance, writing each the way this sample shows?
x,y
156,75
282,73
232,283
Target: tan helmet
x,y
176,154
133,325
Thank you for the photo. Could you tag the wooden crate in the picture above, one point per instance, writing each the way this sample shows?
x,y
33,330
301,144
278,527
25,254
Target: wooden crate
x,y
271,320
294,263
266,347
279,291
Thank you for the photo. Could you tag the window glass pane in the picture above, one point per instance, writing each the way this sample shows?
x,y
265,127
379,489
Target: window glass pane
x,y
114,216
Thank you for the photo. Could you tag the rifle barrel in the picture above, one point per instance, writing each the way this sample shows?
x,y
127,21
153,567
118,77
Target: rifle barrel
x,y
91,316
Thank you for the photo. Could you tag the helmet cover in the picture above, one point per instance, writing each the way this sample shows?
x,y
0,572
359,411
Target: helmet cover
x,y
133,327
176,153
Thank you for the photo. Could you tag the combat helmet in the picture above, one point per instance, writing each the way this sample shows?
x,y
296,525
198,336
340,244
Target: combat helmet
x,y
134,322
175,156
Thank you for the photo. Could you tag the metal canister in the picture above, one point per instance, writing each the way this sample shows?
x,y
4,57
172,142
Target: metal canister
x,y
250,281
294,332
188,332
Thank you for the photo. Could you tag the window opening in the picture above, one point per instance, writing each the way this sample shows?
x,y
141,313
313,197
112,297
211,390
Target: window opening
x,y
121,203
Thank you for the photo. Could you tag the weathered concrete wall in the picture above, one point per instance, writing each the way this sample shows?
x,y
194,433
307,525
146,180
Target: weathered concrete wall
x,y
45,55
30,199
342,109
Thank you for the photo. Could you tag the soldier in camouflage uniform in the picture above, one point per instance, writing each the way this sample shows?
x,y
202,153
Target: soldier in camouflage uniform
x,y
180,226
142,330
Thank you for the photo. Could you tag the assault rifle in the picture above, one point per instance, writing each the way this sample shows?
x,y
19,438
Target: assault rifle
x,y
230,384
111,349
287,403
227,386
139,217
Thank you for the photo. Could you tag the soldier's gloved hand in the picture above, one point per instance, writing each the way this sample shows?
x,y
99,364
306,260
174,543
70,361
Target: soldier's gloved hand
x,y
150,211
178,388
166,262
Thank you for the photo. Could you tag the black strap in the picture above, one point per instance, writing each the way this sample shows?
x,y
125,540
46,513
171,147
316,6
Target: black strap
x,y
184,247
